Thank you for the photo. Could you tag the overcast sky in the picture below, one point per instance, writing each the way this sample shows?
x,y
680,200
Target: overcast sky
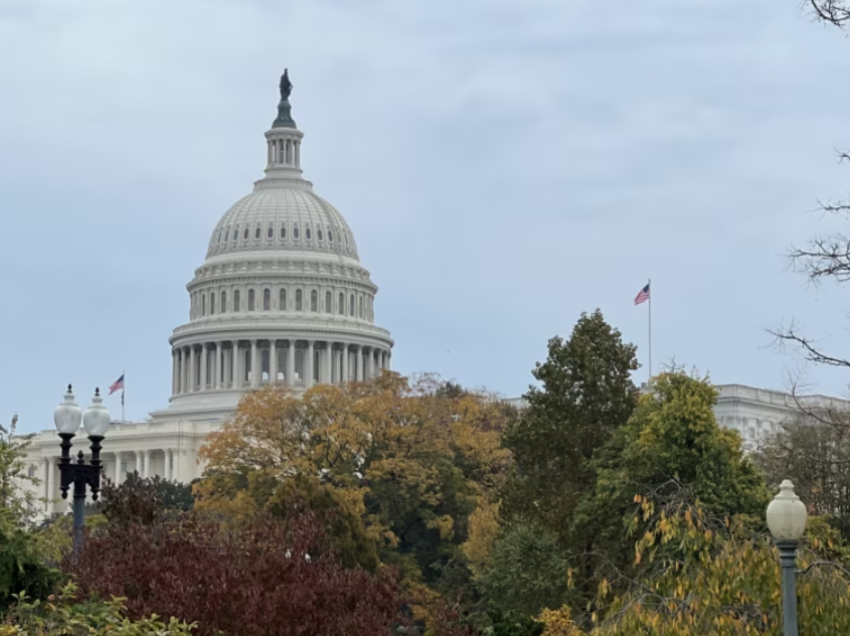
x,y
504,165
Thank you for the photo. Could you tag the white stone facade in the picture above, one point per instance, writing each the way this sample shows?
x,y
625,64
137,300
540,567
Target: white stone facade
x,y
755,413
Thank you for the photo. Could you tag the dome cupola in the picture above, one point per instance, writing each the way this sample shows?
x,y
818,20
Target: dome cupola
x,y
281,297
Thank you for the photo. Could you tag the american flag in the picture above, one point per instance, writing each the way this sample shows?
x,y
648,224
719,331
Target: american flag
x,y
642,297
118,385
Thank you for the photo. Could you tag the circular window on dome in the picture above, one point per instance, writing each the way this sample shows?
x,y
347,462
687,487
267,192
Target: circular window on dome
x,y
245,234
257,233
307,233
270,233
295,232
319,234
330,236
282,231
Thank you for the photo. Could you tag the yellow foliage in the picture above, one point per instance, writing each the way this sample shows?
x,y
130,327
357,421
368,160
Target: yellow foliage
x,y
483,533
558,623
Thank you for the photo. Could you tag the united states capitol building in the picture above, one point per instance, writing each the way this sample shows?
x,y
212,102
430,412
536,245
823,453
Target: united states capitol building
x,y
282,296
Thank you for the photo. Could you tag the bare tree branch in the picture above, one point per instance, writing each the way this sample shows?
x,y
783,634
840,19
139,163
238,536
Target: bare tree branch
x,y
836,12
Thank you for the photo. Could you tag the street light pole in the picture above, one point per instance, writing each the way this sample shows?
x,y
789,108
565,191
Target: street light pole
x,y
786,519
79,474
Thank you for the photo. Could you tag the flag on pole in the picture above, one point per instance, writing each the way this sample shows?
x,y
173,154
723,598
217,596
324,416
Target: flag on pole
x,y
118,385
642,297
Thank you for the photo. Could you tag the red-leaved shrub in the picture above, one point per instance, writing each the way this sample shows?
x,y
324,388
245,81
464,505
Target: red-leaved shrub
x,y
267,579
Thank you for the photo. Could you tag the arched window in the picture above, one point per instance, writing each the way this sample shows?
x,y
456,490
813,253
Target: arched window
x,y
351,303
224,302
299,306
257,232
219,237
314,300
361,307
236,233
341,308
282,300
226,236
270,233
212,303
250,300
307,233
330,236
236,305
319,234
282,231
329,302
295,232
203,304
267,299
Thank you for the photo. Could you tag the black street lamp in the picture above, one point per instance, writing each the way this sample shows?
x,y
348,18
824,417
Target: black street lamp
x,y
67,418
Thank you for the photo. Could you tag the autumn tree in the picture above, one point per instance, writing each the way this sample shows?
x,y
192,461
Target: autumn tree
x,y
586,394
263,578
697,573
410,460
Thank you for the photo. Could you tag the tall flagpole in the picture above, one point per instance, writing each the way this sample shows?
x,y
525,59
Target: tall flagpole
x,y
649,302
123,375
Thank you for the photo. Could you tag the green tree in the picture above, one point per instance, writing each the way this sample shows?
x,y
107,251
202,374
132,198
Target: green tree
x,y
671,443
66,616
22,568
586,394
528,575
18,504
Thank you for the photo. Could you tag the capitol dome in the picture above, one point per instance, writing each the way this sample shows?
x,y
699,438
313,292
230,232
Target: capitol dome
x,y
281,297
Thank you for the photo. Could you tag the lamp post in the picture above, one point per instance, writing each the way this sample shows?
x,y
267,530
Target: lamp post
x,y
786,519
67,418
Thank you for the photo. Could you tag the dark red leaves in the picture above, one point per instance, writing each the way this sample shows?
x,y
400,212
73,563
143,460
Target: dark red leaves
x,y
266,579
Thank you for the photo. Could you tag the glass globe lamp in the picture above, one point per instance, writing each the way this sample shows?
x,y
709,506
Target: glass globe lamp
x,y
96,417
786,514
67,415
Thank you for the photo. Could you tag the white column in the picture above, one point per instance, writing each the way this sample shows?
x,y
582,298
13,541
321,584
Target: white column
x,y
192,368
138,466
173,372
329,362
205,365
358,369
218,365
116,477
181,366
370,364
272,361
308,368
255,381
344,362
166,471
290,364
227,365
235,363
147,455
51,484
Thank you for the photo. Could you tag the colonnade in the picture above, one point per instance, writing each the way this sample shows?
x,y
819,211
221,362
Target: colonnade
x,y
243,364
162,462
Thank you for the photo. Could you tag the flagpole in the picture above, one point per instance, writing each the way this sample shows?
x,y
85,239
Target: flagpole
x,y
649,302
123,389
